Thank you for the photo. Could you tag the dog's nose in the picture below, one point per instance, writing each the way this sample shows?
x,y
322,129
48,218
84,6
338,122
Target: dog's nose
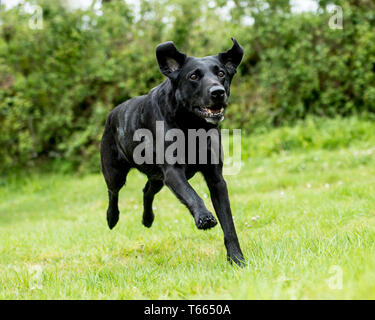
x,y
217,92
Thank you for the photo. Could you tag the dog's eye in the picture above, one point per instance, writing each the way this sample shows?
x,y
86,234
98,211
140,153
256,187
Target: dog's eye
x,y
193,76
221,74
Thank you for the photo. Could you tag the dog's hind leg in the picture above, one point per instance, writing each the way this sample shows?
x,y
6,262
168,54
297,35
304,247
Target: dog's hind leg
x,y
151,188
115,181
115,171
113,212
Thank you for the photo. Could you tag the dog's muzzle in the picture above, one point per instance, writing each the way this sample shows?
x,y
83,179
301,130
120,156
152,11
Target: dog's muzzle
x,y
212,114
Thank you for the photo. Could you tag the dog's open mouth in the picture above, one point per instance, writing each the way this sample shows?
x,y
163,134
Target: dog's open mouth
x,y
211,114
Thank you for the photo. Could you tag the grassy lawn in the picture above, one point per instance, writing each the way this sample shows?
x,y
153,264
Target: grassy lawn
x,y
304,210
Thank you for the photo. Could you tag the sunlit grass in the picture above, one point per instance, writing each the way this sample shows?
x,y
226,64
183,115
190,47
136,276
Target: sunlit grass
x,y
305,220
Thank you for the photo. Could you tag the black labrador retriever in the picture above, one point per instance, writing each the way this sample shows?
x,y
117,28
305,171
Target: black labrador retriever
x,y
193,96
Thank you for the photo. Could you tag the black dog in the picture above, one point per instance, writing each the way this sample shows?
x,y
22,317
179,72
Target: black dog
x,y
194,96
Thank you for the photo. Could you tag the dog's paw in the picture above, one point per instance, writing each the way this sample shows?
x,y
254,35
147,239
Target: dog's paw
x,y
112,218
206,221
237,259
147,220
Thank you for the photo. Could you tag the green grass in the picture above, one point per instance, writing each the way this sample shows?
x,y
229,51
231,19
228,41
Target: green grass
x,y
314,239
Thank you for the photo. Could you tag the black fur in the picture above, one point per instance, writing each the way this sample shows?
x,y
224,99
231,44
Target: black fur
x,y
180,102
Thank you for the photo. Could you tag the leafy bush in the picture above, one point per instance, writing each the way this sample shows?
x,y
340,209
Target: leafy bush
x,y
297,66
58,84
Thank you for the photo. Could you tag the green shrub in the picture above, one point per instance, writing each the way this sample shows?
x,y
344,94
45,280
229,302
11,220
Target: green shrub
x,y
58,84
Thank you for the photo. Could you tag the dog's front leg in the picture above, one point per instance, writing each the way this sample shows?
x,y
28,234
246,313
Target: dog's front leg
x,y
175,179
220,200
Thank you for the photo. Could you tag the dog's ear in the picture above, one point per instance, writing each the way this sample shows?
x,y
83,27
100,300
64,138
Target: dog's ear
x,y
232,58
170,60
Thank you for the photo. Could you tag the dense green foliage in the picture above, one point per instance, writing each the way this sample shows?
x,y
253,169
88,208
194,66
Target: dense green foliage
x,y
57,84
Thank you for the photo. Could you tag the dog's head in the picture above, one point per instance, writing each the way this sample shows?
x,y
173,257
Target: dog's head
x,y
201,85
